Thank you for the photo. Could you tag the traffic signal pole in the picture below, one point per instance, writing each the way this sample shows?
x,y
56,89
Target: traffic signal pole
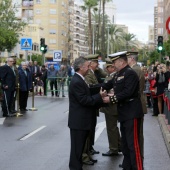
x,y
160,56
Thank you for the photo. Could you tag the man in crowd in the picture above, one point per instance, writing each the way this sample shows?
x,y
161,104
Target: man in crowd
x,y
25,80
81,110
111,117
52,77
8,79
62,74
44,78
126,95
16,85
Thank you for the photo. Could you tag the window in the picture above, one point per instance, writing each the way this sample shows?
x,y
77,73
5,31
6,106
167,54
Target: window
x,y
38,21
52,31
52,21
52,11
38,11
38,1
53,1
52,41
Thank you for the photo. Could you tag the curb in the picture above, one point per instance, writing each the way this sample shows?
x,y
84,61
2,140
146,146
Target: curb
x,y
165,131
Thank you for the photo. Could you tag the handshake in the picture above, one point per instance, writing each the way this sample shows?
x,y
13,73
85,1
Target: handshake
x,y
106,96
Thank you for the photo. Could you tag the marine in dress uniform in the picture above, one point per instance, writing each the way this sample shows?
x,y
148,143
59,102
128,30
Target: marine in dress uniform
x,y
111,117
126,96
132,61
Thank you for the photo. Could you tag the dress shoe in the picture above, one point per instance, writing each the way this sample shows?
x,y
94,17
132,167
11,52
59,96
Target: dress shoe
x,y
13,111
93,160
63,96
110,153
120,166
88,163
92,151
25,109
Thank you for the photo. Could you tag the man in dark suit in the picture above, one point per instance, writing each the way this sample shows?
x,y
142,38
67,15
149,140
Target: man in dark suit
x,y
8,78
81,108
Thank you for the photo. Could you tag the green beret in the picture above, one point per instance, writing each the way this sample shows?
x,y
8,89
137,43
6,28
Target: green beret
x,y
92,57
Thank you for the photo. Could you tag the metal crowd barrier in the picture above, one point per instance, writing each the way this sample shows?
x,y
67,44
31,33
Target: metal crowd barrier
x,y
166,98
59,88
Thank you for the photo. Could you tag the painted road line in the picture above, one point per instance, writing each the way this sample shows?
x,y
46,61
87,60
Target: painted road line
x,y
2,120
32,133
100,127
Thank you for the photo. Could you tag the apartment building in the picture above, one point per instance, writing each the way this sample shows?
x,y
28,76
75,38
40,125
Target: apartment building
x,y
78,44
158,20
166,16
46,19
150,43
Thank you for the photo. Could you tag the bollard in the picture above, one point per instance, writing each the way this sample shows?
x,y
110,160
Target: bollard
x,y
33,108
18,110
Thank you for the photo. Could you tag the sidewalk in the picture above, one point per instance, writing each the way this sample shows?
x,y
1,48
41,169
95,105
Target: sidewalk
x,y
165,128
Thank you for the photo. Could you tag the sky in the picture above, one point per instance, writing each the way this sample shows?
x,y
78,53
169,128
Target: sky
x,y
137,15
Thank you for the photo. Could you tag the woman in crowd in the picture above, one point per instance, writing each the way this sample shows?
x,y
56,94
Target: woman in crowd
x,y
160,85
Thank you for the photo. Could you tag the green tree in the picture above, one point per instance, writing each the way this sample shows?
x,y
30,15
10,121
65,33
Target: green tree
x,y
10,25
167,47
154,56
36,57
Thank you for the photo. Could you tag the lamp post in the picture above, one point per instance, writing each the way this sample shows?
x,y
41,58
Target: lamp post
x,y
108,42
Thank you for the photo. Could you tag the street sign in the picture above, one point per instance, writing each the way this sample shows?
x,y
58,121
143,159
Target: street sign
x,y
168,25
57,55
26,44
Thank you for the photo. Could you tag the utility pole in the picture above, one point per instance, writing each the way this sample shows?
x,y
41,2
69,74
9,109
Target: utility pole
x,y
108,42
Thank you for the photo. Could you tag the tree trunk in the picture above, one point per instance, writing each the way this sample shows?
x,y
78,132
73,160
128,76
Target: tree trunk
x,y
99,24
103,35
90,31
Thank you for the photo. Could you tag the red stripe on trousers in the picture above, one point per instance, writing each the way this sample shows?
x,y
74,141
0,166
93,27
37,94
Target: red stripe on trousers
x,y
136,145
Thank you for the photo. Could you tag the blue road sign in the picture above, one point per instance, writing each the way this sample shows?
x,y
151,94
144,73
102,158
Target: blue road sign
x,y
57,55
26,44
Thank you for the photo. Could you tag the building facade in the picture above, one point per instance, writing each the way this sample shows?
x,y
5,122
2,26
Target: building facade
x,y
78,44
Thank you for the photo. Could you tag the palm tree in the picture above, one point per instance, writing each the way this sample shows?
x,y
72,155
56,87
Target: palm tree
x,y
128,40
103,27
89,5
115,37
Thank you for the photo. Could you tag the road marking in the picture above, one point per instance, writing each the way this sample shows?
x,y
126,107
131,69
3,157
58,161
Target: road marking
x,y
2,120
100,127
32,133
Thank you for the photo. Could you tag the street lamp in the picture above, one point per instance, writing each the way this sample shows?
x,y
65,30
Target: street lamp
x,y
108,41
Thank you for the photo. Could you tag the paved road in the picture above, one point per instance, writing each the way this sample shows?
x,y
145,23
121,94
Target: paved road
x,y
40,140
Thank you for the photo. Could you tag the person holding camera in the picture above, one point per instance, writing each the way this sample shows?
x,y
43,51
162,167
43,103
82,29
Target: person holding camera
x,y
160,85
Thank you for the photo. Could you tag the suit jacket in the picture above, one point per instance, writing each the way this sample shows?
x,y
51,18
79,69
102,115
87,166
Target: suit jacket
x,y
8,77
140,74
81,104
25,81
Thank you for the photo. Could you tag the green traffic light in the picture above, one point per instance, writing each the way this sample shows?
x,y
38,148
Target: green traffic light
x,y
160,48
42,48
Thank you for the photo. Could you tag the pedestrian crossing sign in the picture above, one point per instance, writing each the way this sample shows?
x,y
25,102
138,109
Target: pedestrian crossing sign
x,y
26,44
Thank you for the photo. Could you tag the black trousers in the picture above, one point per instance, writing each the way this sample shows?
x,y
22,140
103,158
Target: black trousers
x,y
78,139
23,98
45,84
7,101
130,131
53,83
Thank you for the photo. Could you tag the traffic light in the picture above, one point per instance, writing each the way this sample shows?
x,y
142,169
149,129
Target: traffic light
x,y
160,43
43,46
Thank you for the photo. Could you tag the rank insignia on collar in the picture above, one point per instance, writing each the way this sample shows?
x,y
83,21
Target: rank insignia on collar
x,y
119,78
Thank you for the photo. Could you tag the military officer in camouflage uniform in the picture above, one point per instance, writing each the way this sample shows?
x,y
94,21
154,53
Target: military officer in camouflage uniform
x,y
111,117
90,78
